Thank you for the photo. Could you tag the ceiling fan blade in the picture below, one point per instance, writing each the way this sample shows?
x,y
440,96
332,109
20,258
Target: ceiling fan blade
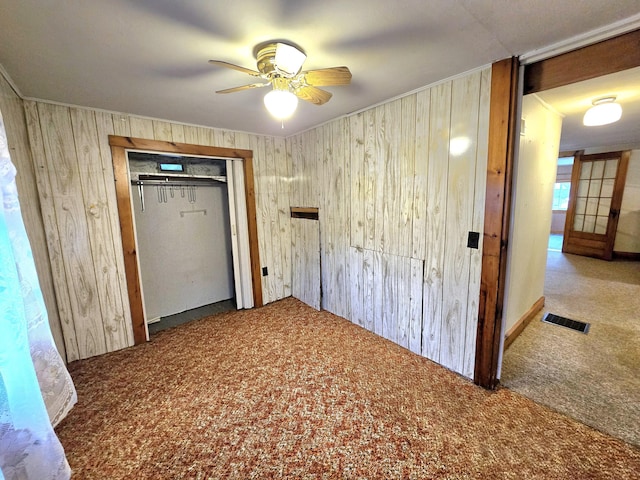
x,y
243,87
313,94
328,76
235,67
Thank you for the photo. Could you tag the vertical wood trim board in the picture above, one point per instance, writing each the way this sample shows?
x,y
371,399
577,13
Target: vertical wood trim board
x,y
250,198
129,250
396,203
618,191
502,119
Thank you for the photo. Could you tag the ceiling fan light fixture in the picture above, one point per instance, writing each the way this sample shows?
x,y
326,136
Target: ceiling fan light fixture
x,y
281,103
279,64
289,59
603,112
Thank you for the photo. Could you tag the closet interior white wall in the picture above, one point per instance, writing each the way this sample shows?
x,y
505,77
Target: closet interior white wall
x,y
183,232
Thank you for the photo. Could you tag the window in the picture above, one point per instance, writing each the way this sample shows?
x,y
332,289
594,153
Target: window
x,y
565,161
561,195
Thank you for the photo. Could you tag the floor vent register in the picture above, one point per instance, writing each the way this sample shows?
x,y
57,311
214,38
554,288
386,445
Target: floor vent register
x,y
566,322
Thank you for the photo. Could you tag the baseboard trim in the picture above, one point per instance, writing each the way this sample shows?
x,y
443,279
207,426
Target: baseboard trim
x,y
626,256
521,324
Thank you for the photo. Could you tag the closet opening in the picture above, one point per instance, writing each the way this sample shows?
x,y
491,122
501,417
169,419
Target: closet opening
x,y
183,233
188,222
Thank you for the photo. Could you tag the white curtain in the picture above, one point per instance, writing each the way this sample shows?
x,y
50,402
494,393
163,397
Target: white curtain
x,y
36,390
239,234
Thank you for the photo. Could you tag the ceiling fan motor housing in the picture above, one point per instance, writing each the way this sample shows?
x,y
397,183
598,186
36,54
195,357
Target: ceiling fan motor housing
x,y
266,59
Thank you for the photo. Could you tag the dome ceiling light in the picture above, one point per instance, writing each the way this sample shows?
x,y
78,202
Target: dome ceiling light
x,y
603,112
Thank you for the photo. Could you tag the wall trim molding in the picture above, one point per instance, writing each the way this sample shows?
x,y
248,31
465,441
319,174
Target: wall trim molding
x,y
400,96
522,323
582,40
626,256
10,81
127,115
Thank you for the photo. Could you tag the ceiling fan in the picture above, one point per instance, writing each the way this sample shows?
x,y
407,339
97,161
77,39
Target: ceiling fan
x,y
279,64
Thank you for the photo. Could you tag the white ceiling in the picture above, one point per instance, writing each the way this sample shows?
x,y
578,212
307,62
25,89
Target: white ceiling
x,y
149,57
572,101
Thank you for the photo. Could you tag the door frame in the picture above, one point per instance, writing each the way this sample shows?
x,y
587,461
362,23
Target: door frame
x,y
502,134
119,146
613,55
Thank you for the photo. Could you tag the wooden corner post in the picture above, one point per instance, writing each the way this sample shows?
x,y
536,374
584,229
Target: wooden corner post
x,y
502,124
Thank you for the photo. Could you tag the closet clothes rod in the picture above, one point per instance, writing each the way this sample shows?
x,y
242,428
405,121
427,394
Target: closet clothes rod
x,y
181,182
174,182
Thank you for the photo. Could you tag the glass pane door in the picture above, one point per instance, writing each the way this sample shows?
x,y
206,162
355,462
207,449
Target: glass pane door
x,y
595,191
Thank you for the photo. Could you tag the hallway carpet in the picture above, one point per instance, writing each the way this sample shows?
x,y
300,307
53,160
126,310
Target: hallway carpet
x,y
594,378
285,391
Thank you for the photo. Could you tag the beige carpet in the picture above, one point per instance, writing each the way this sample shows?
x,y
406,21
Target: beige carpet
x,y
285,391
594,378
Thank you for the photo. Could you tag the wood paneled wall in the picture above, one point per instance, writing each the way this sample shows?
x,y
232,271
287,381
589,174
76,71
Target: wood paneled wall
x,y
74,174
399,187
396,203
305,249
16,127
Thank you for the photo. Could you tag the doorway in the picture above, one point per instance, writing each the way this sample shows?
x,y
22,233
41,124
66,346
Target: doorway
x,y
183,230
584,287
560,204
243,188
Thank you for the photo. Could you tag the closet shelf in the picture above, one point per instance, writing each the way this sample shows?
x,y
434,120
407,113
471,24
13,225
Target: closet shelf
x,y
177,180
